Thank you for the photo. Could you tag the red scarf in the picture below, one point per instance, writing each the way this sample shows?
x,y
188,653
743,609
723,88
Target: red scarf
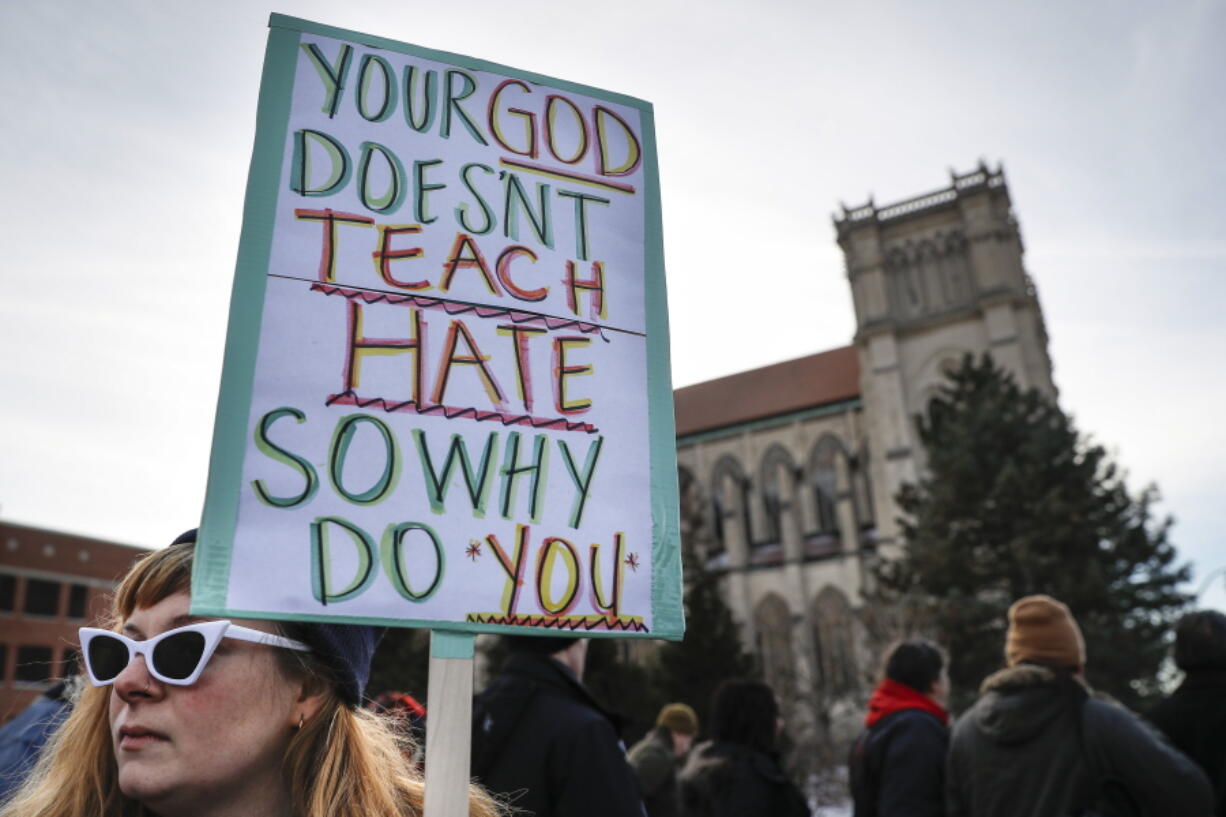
x,y
891,696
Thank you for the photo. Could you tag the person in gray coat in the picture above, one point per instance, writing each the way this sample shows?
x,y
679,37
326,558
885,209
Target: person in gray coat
x,y
655,758
1037,742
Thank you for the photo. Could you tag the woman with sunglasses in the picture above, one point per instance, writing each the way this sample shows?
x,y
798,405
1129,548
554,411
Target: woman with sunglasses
x,y
192,716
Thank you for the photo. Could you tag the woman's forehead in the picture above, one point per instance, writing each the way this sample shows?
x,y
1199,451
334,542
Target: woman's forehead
x,y
175,611
172,611
178,606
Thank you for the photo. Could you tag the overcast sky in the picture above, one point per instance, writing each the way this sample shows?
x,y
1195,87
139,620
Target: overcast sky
x,y
126,131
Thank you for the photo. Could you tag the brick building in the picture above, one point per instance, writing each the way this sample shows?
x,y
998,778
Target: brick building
x,y
50,584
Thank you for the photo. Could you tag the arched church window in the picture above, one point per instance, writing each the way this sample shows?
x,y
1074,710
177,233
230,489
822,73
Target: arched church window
x,y
729,500
903,283
777,475
717,516
827,515
695,536
823,482
837,661
744,496
913,290
772,507
773,623
692,511
929,265
955,273
862,487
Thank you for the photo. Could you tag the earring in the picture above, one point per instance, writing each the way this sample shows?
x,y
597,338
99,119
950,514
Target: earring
x,y
301,722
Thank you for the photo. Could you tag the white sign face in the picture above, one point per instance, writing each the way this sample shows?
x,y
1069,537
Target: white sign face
x,y
448,353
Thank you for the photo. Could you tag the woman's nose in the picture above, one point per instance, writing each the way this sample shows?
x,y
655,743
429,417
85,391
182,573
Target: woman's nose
x,y
136,684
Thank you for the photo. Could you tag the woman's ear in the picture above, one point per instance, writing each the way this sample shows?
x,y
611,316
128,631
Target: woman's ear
x,y
311,698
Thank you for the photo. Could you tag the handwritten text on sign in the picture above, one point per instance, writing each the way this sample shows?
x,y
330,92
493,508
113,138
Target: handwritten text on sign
x,y
448,417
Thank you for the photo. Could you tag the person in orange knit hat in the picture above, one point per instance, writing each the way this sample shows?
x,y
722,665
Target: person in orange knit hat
x,y
655,758
1039,742
897,765
1043,631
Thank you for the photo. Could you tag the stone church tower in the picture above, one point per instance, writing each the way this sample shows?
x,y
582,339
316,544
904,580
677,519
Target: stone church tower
x,y
932,278
788,473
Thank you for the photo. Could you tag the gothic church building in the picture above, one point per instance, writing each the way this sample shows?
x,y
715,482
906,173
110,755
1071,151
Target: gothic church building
x,y
788,473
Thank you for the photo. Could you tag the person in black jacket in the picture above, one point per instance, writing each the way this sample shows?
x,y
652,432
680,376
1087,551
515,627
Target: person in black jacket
x,y
1194,716
737,773
1038,743
897,765
543,743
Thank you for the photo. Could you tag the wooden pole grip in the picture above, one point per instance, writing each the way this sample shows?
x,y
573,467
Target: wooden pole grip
x,y
449,711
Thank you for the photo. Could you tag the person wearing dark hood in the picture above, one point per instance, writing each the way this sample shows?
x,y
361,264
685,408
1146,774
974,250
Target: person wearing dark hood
x,y
737,772
1194,716
543,743
1037,742
897,765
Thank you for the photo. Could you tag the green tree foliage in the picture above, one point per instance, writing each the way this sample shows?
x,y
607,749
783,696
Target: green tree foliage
x,y
686,671
1015,501
621,684
689,670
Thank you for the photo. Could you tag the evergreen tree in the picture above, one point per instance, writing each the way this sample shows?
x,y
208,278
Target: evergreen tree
x,y
621,685
1014,501
689,670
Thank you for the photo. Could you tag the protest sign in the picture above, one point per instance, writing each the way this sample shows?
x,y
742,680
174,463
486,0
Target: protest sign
x,y
446,399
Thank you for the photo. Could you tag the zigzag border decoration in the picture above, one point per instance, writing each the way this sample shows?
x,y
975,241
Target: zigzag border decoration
x,y
458,308
587,623
351,398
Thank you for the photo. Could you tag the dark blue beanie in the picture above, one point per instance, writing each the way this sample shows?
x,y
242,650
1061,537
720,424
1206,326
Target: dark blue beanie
x,y
345,649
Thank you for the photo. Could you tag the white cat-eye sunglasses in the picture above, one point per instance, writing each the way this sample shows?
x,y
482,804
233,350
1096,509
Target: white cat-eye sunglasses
x,y
176,656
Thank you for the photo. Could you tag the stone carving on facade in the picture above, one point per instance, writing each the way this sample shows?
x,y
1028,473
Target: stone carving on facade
x,y
929,276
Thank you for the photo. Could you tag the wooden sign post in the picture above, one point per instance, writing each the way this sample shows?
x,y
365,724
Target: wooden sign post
x,y
448,748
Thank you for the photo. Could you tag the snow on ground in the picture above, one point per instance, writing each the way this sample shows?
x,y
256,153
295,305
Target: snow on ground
x,y
828,793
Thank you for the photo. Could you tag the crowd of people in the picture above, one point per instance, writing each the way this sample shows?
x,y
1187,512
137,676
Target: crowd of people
x,y
181,715
546,747
1038,740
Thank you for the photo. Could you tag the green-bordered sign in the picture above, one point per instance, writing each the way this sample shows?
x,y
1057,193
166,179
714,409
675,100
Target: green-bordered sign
x,y
446,398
